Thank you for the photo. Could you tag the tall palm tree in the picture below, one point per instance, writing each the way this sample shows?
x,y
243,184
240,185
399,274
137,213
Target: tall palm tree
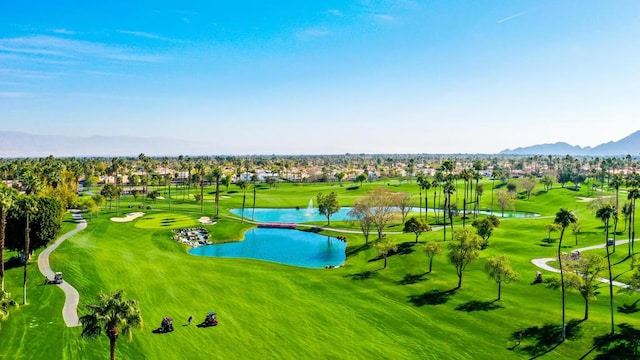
x,y
254,180
420,180
426,185
563,218
217,174
605,213
633,195
616,182
200,167
29,206
169,180
115,315
243,185
7,199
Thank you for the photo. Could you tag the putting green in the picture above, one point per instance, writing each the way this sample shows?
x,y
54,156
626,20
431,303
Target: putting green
x,y
165,221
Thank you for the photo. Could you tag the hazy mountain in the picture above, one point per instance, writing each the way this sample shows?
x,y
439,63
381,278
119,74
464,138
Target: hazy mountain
x,y
16,144
627,145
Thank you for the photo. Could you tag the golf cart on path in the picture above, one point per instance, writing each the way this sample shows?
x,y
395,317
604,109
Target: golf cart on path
x,y
210,319
57,279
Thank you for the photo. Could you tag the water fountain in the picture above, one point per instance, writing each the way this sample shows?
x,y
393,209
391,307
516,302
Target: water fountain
x,y
309,208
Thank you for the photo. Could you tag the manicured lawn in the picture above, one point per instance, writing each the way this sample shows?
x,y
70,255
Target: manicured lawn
x,y
269,310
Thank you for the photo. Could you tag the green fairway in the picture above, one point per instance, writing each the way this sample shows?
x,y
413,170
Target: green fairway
x,y
359,311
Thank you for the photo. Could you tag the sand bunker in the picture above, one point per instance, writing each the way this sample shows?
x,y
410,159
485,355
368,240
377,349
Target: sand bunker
x,y
205,220
588,199
128,217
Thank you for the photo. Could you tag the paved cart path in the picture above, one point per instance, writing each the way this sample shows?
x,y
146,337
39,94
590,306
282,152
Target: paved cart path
x,y
70,309
542,263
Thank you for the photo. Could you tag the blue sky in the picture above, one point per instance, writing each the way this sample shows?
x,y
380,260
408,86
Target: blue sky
x,y
329,77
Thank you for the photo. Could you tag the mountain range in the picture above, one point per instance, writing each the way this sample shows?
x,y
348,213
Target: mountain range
x,y
17,145
628,145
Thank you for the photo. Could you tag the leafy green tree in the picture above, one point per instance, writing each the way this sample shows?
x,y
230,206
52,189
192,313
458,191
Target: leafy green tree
x,y
361,178
463,250
328,205
563,218
553,227
528,184
605,213
416,226
339,176
114,315
547,181
109,192
576,229
485,227
7,199
499,269
384,247
505,200
582,275
432,249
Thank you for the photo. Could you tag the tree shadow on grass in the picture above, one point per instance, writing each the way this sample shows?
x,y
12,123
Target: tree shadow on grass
x,y
542,340
475,305
621,345
629,308
403,249
410,279
431,297
354,250
365,275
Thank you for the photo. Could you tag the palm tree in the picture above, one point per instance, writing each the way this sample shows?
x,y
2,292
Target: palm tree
x,y
563,218
217,174
634,194
605,213
243,185
254,180
420,181
200,167
29,205
7,199
115,315
426,185
616,182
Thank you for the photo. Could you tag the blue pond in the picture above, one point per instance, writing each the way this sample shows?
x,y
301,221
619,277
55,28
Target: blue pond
x,y
291,247
306,215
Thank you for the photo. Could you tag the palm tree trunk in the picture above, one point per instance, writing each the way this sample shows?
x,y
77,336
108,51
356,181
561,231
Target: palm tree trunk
x,y
27,229
426,206
564,328
217,196
112,347
3,226
610,277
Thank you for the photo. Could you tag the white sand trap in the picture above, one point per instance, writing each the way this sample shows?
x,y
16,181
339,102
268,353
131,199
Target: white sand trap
x,y
588,199
128,217
225,197
160,197
205,220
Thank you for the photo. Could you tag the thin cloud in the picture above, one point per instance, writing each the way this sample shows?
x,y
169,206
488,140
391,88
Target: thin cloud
x,y
13,95
384,17
68,48
511,17
146,35
64,31
335,12
313,32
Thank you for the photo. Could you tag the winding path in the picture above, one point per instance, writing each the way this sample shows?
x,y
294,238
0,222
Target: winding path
x,y
72,297
542,263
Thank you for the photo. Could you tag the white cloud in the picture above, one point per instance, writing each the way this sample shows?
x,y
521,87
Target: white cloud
x,y
335,12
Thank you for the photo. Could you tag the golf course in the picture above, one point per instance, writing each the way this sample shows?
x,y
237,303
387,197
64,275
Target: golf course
x,y
360,310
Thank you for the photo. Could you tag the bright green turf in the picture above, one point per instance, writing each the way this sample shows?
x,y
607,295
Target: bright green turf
x,y
275,311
